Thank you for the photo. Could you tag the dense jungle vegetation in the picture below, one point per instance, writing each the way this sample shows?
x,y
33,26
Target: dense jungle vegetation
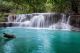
x,y
34,6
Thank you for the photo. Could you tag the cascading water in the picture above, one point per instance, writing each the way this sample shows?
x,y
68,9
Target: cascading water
x,y
38,21
65,23
62,24
42,20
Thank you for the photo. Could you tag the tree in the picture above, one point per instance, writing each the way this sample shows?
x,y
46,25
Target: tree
x,y
31,5
61,5
74,6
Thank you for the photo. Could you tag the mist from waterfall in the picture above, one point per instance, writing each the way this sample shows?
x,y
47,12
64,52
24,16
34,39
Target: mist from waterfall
x,y
41,20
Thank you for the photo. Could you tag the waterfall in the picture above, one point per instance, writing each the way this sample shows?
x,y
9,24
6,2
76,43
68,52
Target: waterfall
x,y
38,21
65,23
62,24
68,21
41,20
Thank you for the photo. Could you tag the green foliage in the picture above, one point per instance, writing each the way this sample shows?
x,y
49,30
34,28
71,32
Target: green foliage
x,y
33,6
6,6
2,18
30,6
61,5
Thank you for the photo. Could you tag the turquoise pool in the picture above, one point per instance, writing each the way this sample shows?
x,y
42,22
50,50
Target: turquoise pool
x,y
40,41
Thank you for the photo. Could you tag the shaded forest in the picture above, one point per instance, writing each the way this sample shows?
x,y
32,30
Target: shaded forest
x,y
36,6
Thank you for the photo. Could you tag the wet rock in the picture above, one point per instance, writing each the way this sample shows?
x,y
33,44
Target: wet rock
x,y
2,24
9,36
75,21
75,29
5,24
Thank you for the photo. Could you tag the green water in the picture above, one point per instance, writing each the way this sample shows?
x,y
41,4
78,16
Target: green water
x,y
40,41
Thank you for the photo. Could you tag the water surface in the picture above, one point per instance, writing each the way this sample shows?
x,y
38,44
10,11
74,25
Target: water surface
x,y
40,41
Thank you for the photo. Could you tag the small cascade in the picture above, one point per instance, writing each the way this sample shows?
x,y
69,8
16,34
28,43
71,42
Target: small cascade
x,y
65,23
63,20
20,18
38,21
25,24
42,20
11,18
68,20
62,24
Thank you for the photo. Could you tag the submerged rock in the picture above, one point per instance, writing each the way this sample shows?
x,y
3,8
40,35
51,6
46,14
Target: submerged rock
x,y
9,36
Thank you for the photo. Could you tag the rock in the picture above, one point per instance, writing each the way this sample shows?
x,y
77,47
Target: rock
x,y
9,36
75,21
5,24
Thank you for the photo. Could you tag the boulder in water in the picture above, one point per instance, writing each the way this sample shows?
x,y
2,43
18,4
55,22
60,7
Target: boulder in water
x,y
9,36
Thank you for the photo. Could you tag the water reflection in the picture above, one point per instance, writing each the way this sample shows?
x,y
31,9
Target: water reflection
x,y
3,42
